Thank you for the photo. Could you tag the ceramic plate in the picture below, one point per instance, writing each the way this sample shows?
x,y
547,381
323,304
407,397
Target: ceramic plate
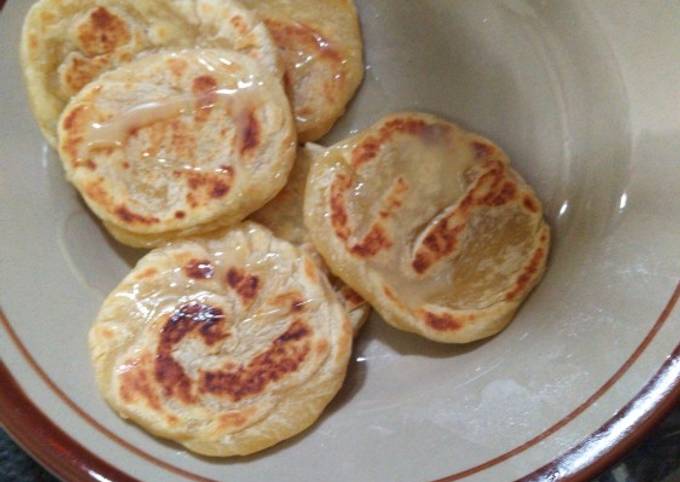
x,y
584,97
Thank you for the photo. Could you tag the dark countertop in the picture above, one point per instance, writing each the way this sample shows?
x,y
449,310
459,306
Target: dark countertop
x,y
657,459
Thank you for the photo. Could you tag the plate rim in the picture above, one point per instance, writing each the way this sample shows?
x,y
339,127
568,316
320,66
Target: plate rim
x,y
80,464
66,458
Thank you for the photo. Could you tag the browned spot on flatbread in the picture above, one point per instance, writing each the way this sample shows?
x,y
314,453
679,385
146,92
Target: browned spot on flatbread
x,y
482,150
365,151
530,204
504,195
439,242
395,198
442,322
248,132
390,293
78,71
205,320
133,218
375,241
204,89
296,37
351,298
339,217
199,269
311,270
293,299
183,138
392,296
244,284
493,188
87,163
95,192
231,420
219,189
368,148
377,238
179,214
322,347
177,66
102,32
136,382
146,273
195,180
214,184
528,274
73,121
284,356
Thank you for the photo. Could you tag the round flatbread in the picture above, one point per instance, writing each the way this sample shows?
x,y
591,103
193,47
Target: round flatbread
x,y
284,216
430,224
321,48
178,143
227,345
68,43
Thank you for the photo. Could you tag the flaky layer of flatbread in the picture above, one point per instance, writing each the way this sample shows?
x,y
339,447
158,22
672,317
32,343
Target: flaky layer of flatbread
x,y
285,217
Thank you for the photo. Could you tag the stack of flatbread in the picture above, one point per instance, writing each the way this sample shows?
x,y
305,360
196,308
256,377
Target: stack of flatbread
x,y
187,127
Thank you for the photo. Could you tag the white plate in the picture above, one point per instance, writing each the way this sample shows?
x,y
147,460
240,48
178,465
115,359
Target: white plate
x,y
583,95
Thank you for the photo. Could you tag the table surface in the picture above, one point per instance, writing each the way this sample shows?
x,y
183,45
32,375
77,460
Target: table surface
x,y
656,459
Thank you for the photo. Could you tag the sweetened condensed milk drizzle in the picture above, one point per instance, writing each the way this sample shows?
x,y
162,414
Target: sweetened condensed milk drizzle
x,y
116,131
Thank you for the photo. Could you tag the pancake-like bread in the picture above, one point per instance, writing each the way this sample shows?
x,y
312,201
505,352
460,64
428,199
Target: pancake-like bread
x,y
429,224
284,216
178,143
68,43
321,46
227,345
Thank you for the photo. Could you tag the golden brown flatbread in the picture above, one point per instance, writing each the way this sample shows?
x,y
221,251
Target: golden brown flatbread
x,y
68,43
227,344
178,143
430,224
321,48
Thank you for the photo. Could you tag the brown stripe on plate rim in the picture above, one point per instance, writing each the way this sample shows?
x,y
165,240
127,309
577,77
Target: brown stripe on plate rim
x,y
635,431
583,406
621,433
84,468
82,413
57,452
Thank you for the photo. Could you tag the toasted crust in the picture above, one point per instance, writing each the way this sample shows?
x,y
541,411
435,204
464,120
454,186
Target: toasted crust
x,y
178,143
321,48
430,224
226,345
284,216
68,43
